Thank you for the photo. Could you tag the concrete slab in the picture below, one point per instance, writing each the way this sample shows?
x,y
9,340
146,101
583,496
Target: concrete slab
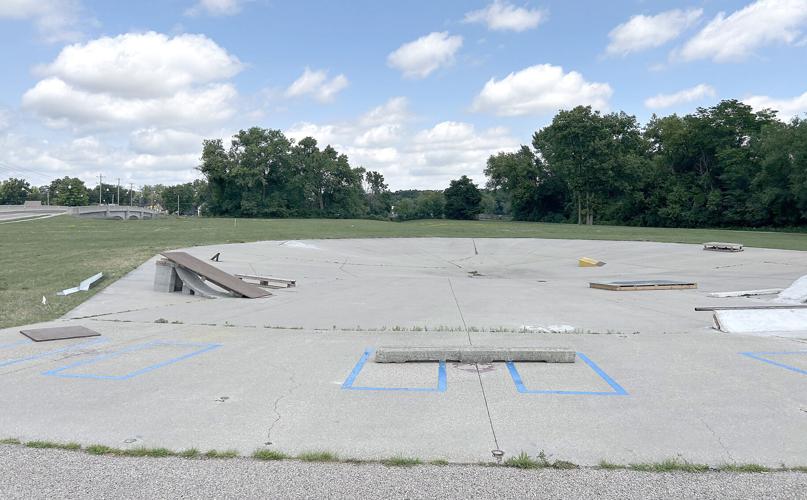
x,y
472,354
287,373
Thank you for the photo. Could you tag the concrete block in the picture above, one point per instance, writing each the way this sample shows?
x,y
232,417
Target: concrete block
x,y
474,354
165,277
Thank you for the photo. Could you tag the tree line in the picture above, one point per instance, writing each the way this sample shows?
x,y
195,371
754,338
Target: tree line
x,y
721,166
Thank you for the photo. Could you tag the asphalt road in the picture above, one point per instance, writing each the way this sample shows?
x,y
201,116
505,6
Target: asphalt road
x,y
32,473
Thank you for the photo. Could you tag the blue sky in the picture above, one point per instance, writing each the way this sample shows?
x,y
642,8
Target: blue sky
x,y
423,91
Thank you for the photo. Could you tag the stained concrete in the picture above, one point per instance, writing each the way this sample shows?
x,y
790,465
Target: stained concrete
x,y
290,371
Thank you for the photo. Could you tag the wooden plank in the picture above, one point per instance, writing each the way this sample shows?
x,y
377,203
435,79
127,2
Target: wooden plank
x,y
740,308
723,247
59,333
217,276
255,277
629,286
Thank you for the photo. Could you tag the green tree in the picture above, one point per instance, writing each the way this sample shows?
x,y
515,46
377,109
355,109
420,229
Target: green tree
x,y
14,191
69,191
463,200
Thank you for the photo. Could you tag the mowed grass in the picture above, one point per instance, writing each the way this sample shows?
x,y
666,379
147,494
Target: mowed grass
x,y
40,257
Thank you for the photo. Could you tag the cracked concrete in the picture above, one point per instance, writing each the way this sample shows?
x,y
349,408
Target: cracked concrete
x,y
282,360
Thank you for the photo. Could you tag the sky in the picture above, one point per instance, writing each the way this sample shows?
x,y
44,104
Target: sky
x,y
422,91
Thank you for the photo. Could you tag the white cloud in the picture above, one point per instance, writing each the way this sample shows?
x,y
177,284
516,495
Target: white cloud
x,y
383,139
502,16
737,36
155,141
316,83
691,94
215,8
647,32
142,64
418,59
56,20
540,89
787,108
136,80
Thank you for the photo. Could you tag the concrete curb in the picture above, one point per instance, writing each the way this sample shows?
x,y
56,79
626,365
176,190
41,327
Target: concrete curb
x,y
472,354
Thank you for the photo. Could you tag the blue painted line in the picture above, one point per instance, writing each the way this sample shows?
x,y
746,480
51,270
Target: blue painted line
x,y
759,356
60,372
8,362
348,383
618,390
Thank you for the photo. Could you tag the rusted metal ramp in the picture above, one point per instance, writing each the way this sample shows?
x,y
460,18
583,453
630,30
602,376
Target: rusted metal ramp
x,y
215,275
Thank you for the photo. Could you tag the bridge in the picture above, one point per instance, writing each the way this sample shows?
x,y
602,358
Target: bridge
x,y
31,211
120,212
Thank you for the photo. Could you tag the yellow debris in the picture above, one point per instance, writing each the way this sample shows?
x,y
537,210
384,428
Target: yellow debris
x,y
589,262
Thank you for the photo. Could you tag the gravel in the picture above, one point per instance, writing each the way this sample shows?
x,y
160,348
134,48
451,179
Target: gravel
x,y
37,473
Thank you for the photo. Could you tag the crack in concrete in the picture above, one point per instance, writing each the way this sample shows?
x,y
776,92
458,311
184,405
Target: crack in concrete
x,y
278,416
717,437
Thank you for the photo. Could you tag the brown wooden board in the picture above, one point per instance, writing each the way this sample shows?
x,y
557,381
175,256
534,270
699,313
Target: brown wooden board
x,y
59,333
217,276
630,286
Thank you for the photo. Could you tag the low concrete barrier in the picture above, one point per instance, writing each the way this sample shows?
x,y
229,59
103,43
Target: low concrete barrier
x,y
474,354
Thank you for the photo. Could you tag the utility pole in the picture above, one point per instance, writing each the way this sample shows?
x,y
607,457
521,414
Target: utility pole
x,y
100,186
131,186
118,190
177,204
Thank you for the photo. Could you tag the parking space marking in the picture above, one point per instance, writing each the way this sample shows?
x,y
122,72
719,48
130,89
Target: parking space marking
x,y
61,372
14,361
348,383
618,390
760,356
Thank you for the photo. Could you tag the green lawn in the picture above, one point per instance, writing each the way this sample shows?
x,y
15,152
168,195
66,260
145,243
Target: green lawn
x,y
41,257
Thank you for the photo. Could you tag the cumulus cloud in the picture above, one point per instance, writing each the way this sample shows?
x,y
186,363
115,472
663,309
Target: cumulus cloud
x,y
691,94
787,107
736,36
538,90
136,79
142,64
504,16
215,8
317,84
56,20
386,140
648,32
420,58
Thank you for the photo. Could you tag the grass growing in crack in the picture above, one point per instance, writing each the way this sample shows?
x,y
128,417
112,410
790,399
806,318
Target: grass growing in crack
x,y
523,461
564,464
10,441
669,465
744,468
147,452
318,456
100,449
401,461
438,461
221,454
605,464
189,453
51,444
269,455
161,320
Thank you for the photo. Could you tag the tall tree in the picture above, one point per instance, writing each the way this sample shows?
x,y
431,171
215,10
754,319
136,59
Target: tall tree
x,y
462,199
69,191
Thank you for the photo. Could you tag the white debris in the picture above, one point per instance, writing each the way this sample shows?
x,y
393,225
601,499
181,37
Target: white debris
x,y
299,244
746,293
44,301
761,320
795,293
83,286
548,328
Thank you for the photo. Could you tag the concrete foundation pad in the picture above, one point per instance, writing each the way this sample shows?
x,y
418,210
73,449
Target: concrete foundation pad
x,y
474,354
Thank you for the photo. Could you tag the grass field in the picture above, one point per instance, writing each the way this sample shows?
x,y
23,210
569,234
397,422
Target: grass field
x,y
41,257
